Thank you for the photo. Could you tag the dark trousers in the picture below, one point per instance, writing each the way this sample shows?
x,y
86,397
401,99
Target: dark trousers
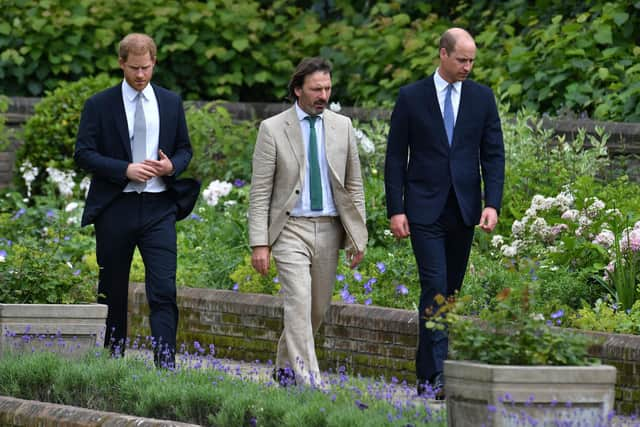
x,y
442,253
146,221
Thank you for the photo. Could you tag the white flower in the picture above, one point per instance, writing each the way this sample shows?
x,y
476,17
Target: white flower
x,y
64,180
517,228
594,209
29,174
497,241
215,190
605,238
335,107
364,141
70,206
571,214
509,251
564,200
584,221
230,203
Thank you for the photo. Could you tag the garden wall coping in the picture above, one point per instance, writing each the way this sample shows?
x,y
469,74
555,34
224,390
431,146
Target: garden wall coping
x,y
18,412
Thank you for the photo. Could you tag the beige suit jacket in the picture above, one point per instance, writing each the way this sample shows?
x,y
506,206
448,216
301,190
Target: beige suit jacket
x,y
279,163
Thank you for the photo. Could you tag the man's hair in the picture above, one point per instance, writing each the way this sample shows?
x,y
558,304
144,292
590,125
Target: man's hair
x,y
137,44
448,42
305,67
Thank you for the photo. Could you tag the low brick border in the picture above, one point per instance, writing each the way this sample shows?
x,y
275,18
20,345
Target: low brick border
x,y
367,340
18,412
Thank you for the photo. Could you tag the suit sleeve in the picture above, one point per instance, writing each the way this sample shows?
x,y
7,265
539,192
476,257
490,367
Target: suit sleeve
x,y
87,154
395,165
353,180
264,167
492,157
182,152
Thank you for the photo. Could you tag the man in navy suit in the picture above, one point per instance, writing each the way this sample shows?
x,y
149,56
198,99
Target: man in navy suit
x,y
444,174
134,198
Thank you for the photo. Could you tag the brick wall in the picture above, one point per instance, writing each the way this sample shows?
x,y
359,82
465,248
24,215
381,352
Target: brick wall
x,y
371,341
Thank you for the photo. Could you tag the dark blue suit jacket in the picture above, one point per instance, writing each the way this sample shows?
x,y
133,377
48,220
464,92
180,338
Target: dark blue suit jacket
x,y
103,148
420,166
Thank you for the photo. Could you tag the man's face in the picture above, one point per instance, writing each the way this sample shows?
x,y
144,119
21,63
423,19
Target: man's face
x,y
138,70
313,96
456,66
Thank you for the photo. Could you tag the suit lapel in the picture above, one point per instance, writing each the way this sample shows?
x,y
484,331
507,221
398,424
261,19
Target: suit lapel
x,y
161,112
294,137
433,112
332,146
120,119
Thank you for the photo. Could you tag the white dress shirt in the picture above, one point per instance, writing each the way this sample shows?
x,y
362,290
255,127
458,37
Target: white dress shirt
x,y
152,119
303,206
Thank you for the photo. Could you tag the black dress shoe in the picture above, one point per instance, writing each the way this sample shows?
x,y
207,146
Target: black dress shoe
x,y
437,385
284,376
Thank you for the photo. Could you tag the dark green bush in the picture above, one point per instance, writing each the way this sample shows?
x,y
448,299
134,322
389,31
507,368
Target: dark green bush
x,y
50,134
554,57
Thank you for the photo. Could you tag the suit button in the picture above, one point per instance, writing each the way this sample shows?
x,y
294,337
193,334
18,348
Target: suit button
x,y
297,191
288,213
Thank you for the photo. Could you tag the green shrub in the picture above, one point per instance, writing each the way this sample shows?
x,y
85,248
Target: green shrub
x,y
222,148
50,134
575,58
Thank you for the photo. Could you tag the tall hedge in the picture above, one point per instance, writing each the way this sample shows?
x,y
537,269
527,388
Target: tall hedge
x,y
581,58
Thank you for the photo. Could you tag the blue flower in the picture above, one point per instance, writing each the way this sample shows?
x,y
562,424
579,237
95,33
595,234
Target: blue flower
x,y
195,217
239,182
357,276
402,289
20,212
381,267
558,314
368,301
276,280
339,277
235,287
51,213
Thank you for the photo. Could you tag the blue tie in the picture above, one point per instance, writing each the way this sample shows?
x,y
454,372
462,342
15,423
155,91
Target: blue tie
x,y
448,114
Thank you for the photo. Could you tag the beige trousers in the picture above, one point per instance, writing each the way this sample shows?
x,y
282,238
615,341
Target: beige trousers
x,y
306,256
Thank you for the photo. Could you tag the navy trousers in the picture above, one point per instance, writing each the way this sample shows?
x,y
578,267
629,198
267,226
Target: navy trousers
x,y
146,221
442,252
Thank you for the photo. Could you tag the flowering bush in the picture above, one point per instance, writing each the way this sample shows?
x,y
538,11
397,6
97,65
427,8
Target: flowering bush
x,y
509,333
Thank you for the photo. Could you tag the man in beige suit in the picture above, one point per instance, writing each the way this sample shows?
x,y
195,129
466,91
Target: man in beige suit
x,y
306,203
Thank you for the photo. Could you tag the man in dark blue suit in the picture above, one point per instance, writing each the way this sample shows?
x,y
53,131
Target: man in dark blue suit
x,y
133,139
444,174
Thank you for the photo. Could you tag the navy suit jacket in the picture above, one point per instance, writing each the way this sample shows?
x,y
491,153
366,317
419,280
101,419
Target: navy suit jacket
x,y
421,167
103,148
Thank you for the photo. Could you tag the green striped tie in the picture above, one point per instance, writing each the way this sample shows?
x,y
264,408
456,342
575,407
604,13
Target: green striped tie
x,y
315,182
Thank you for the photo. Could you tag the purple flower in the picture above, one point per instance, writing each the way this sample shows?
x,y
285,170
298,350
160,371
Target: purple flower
x,y
368,301
357,276
558,314
381,267
368,286
20,212
402,289
51,213
195,217
339,277
346,295
239,182
76,272
235,287
3,253
361,405
276,280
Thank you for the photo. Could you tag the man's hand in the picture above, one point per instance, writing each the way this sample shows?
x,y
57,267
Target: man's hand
x,y
160,167
260,259
399,226
355,258
140,172
489,219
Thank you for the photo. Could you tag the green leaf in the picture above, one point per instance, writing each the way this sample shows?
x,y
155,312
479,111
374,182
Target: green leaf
x,y
240,44
603,35
5,28
620,18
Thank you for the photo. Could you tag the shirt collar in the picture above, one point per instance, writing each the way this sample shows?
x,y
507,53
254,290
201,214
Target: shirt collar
x,y
130,93
441,84
302,114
